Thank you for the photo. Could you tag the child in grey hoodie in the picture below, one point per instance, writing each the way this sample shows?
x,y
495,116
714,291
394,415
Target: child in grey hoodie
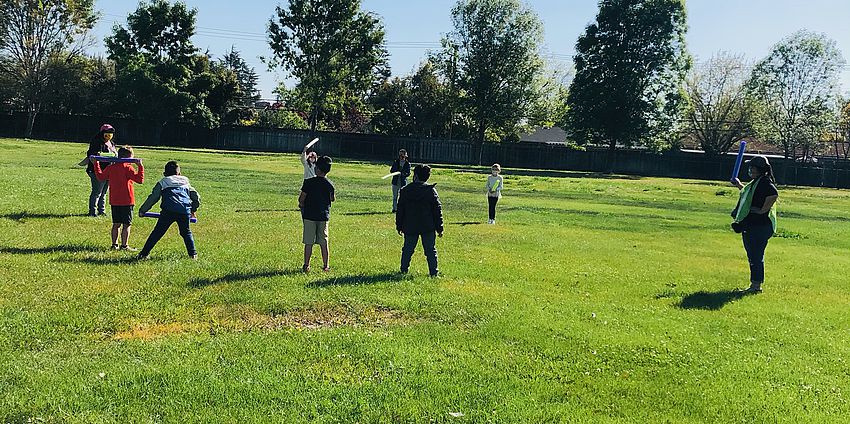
x,y
179,203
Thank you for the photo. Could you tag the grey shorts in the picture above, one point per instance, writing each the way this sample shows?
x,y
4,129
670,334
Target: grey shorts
x,y
315,232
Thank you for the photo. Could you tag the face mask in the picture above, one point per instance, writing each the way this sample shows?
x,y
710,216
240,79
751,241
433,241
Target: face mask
x,y
108,137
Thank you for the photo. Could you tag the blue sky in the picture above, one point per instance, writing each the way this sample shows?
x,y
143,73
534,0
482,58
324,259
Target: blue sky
x,y
748,27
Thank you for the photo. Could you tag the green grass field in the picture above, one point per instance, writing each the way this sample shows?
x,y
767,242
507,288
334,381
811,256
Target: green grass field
x,y
593,300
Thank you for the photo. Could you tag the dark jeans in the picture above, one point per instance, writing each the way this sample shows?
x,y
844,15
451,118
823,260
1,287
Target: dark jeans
x,y
97,197
755,242
429,241
162,224
492,201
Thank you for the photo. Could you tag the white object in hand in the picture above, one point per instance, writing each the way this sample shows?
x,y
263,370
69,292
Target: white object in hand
x,y
311,143
392,174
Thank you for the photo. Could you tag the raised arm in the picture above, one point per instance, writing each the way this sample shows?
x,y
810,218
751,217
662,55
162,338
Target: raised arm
x,y
137,175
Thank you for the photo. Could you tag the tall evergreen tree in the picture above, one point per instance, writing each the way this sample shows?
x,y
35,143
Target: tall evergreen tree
x,y
631,65
246,76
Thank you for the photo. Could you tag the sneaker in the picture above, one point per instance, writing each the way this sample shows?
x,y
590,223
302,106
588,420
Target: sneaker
x,y
305,269
142,257
753,289
129,249
101,213
114,247
193,257
326,269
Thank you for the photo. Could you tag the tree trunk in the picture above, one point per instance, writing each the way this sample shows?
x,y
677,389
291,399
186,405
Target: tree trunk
x,y
612,156
482,130
31,113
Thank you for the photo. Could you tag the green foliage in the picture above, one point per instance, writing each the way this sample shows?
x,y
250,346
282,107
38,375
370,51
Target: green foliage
x,y
281,119
334,50
32,35
596,299
797,86
80,85
720,111
495,49
246,77
631,65
164,76
412,106
550,106
391,101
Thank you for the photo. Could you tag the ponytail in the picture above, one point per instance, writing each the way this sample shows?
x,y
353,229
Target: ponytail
x,y
768,172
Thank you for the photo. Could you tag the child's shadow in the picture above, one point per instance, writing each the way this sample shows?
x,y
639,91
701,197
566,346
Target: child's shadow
x,y
117,260
235,277
24,215
712,301
62,248
357,280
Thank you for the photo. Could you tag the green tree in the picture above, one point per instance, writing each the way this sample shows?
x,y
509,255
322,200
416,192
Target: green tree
x,y
391,102
631,65
795,84
335,51
550,106
494,48
32,34
164,76
427,105
246,77
412,106
720,111
281,118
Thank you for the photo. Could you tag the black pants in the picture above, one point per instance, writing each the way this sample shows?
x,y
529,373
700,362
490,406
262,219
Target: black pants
x,y
162,224
492,201
429,242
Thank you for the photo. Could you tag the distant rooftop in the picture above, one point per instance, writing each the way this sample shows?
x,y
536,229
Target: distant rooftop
x,y
545,135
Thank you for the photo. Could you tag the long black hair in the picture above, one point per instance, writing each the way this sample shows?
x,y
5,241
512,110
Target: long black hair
x,y
767,171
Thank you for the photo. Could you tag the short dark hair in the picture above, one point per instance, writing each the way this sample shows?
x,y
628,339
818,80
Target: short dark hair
x,y
422,172
125,152
324,164
171,168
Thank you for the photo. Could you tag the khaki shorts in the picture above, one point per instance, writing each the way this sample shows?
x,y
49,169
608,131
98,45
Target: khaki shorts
x,y
315,232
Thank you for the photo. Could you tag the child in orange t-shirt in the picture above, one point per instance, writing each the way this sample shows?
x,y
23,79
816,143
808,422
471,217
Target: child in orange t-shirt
x,y
121,177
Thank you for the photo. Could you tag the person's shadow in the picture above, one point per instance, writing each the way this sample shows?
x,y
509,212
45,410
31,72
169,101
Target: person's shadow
x,y
712,301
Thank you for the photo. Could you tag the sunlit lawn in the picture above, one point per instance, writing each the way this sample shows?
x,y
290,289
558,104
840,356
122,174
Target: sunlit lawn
x,y
593,299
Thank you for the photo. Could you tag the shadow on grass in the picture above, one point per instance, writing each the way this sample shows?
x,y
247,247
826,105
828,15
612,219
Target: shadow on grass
x,y
117,260
712,301
235,277
367,213
23,215
266,210
62,248
466,223
356,280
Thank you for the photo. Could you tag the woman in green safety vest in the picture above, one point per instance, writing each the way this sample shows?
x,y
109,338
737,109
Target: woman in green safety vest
x,y
755,216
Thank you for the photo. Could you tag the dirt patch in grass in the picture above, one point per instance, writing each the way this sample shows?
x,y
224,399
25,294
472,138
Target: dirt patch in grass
x,y
245,319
